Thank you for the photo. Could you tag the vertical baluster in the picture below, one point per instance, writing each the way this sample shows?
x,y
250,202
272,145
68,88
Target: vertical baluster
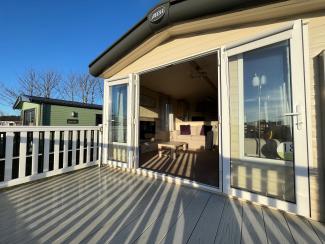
x,y
35,153
100,147
82,137
74,147
9,151
22,154
56,150
65,148
95,145
46,150
88,145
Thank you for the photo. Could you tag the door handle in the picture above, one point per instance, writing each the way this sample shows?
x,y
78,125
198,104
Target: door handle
x,y
296,114
291,114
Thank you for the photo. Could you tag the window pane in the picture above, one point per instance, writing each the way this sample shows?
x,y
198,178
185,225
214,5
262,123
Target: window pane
x,y
261,133
118,114
267,98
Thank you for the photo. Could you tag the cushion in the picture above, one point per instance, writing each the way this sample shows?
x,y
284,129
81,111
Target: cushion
x,y
185,129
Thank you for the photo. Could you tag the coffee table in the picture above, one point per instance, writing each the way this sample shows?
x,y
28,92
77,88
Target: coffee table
x,y
173,146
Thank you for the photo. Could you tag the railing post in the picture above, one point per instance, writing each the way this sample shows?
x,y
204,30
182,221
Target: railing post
x,y
22,154
47,136
56,150
82,140
95,145
35,152
74,147
100,151
9,151
65,148
88,146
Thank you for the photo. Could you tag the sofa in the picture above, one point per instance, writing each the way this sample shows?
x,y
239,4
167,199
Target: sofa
x,y
195,141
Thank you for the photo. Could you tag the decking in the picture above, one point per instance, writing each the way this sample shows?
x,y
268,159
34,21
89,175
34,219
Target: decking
x,y
110,206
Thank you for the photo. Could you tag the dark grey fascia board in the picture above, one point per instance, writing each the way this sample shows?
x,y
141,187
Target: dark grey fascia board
x,y
176,11
51,101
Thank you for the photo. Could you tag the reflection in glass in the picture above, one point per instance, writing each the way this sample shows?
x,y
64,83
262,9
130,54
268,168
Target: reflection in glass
x,y
118,115
267,98
261,132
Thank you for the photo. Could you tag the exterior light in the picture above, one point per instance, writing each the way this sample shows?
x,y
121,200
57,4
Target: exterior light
x,y
256,80
263,80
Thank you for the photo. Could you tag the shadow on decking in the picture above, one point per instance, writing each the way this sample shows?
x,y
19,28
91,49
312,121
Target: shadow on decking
x,y
108,205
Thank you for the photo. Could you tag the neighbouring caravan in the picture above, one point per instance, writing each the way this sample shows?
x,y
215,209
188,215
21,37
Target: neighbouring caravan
x,y
222,95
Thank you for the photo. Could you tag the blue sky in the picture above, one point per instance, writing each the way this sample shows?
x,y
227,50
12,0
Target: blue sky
x,y
62,35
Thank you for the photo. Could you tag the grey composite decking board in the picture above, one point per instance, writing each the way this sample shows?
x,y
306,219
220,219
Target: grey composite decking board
x,y
276,226
68,212
301,230
60,210
31,201
95,204
180,232
229,230
109,225
103,216
175,200
39,188
319,228
35,202
33,208
206,229
110,200
253,229
158,229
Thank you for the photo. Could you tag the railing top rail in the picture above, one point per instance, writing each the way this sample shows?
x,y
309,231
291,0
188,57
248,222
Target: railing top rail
x,y
46,128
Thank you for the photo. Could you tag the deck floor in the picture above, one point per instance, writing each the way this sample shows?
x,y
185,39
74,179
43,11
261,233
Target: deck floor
x,y
110,206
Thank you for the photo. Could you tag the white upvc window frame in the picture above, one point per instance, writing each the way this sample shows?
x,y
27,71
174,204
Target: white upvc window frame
x,y
130,81
293,33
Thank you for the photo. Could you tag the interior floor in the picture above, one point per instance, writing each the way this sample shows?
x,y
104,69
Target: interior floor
x,y
200,166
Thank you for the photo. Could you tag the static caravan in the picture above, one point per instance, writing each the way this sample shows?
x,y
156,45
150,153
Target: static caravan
x,y
222,95
41,111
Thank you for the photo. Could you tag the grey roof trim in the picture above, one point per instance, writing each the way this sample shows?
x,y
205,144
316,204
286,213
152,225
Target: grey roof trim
x,y
43,100
176,11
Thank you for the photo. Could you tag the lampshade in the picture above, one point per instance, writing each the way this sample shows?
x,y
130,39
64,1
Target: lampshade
x,y
263,80
256,80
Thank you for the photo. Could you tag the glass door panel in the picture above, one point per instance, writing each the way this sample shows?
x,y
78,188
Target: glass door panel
x,y
118,149
261,128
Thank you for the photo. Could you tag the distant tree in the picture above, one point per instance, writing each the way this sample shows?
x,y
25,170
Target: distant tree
x,y
29,83
49,82
8,95
89,88
32,83
69,89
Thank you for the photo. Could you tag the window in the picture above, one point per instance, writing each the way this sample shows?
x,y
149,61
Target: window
x,y
261,131
266,102
29,117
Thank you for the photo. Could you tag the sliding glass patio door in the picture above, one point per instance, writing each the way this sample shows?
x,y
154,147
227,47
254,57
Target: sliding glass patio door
x,y
119,121
265,154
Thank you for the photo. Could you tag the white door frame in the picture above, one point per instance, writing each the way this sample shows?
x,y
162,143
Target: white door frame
x,y
292,32
130,80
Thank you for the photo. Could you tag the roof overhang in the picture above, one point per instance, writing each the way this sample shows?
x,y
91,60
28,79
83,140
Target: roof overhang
x,y
19,102
42,100
166,14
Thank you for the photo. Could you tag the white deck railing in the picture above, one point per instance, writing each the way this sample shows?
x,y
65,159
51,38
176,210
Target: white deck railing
x,y
29,153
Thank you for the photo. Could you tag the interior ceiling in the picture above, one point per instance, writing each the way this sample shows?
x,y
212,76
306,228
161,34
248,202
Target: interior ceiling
x,y
195,79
